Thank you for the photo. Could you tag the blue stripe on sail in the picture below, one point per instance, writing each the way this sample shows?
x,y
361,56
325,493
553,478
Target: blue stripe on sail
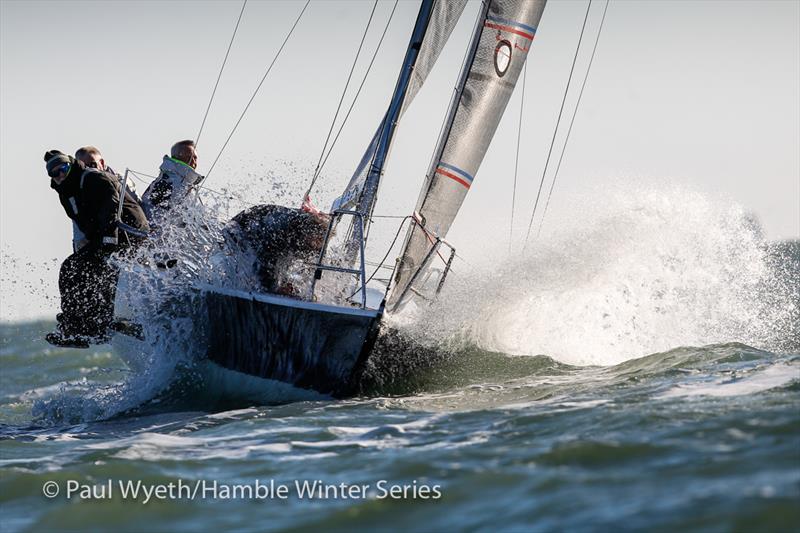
x,y
511,23
456,169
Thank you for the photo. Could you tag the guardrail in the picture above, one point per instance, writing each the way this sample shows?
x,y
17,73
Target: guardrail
x,y
360,272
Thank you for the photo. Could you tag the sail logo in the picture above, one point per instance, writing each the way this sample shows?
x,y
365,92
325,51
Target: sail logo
x,y
502,57
502,53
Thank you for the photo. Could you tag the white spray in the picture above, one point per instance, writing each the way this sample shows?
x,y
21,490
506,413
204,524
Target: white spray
x,y
632,273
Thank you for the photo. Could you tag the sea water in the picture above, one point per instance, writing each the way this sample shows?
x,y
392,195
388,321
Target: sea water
x,y
640,373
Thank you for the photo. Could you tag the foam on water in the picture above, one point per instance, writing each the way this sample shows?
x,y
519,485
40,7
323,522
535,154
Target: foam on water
x,y
771,377
633,272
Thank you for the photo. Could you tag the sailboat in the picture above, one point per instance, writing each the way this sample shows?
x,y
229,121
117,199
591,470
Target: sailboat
x,y
323,346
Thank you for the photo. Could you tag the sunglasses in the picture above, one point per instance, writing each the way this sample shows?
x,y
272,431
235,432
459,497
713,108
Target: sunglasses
x,y
58,170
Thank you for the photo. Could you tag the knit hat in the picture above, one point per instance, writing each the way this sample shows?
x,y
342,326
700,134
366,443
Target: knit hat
x,y
56,160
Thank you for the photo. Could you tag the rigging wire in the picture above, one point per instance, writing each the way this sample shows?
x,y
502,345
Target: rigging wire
x,y
277,54
380,264
341,99
558,121
138,176
516,157
571,122
358,92
219,76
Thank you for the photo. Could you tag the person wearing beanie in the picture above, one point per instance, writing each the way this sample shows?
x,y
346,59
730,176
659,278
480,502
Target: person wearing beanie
x,y
87,280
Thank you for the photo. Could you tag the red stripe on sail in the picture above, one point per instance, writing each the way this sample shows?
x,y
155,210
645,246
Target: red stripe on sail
x,y
463,182
509,29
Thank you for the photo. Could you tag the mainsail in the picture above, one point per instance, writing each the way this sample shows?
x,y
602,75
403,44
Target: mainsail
x,y
503,36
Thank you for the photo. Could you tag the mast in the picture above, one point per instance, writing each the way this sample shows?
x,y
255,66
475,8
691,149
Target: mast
x,y
360,194
500,43
389,123
434,24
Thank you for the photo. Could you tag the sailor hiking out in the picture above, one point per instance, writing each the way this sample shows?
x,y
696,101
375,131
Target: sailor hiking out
x,y
93,158
177,178
87,279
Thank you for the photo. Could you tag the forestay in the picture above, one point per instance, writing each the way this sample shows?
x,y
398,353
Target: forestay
x,y
503,36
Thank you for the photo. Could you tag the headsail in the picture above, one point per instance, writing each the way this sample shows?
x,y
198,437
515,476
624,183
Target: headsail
x,y
503,36
444,18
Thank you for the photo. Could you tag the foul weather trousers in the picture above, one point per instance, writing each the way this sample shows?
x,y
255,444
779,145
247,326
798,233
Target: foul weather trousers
x,y
88,284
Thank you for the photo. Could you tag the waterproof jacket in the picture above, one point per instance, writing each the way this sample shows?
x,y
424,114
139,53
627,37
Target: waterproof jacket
x,y
90,197
276,235
78,238
175,181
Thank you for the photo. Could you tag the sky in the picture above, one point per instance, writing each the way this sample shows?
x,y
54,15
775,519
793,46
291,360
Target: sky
x,y
704,93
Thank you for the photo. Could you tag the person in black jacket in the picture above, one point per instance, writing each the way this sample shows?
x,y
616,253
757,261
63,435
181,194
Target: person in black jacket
x,y
276,236
93,158
87,280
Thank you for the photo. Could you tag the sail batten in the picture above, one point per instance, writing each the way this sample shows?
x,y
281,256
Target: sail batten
x,y
503,35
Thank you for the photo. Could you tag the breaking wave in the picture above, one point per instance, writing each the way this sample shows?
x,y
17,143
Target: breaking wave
x,y
643,272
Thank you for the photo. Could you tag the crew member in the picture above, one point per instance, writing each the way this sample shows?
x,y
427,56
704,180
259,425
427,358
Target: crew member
x,y
176,179
87,280
278,236
92,158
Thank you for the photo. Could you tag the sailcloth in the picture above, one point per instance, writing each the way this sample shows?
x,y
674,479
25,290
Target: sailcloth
x,y
502,39
444,18
361,192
